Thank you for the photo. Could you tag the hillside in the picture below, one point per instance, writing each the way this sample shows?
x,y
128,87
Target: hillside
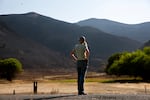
x,y
50,41
33,55
146,44
139,32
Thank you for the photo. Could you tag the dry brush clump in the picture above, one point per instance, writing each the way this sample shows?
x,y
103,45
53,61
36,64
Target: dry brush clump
x,y
54,91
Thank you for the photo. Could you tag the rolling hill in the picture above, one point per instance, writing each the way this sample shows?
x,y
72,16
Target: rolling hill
x,y
139,32
41,41
33,55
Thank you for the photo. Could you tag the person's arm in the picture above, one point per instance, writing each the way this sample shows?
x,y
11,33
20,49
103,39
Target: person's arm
x,y
73,55
87,53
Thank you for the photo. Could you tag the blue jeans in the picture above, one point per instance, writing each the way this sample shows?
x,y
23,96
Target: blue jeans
x,y
81,69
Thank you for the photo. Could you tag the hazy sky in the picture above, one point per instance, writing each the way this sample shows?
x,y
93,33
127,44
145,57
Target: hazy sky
x,y
126,11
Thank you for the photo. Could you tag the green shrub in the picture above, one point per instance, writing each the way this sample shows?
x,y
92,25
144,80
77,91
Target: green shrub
x,y
111,60
135,64
9,67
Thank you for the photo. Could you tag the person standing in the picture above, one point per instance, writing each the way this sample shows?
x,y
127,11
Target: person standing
x,y
80,54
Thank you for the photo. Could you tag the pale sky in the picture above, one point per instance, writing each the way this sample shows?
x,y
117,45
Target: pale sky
x,y
125,11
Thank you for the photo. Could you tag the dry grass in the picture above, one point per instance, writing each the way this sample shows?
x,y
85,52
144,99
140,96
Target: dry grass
x,y
66,84
70,87
54,91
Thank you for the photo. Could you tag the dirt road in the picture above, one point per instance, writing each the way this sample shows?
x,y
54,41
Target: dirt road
x,y
76,97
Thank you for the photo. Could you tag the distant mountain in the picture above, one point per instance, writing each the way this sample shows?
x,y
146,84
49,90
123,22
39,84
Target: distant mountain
x,y
139,32
146,44
44,39
33,55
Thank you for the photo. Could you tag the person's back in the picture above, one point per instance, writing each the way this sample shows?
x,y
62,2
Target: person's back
x,y
80,51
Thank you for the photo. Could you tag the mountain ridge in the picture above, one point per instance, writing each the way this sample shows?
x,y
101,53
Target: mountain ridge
x,y
139,32
58,39
33,55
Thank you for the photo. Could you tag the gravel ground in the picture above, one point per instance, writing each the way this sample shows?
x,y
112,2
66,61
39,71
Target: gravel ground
x,y
76,97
